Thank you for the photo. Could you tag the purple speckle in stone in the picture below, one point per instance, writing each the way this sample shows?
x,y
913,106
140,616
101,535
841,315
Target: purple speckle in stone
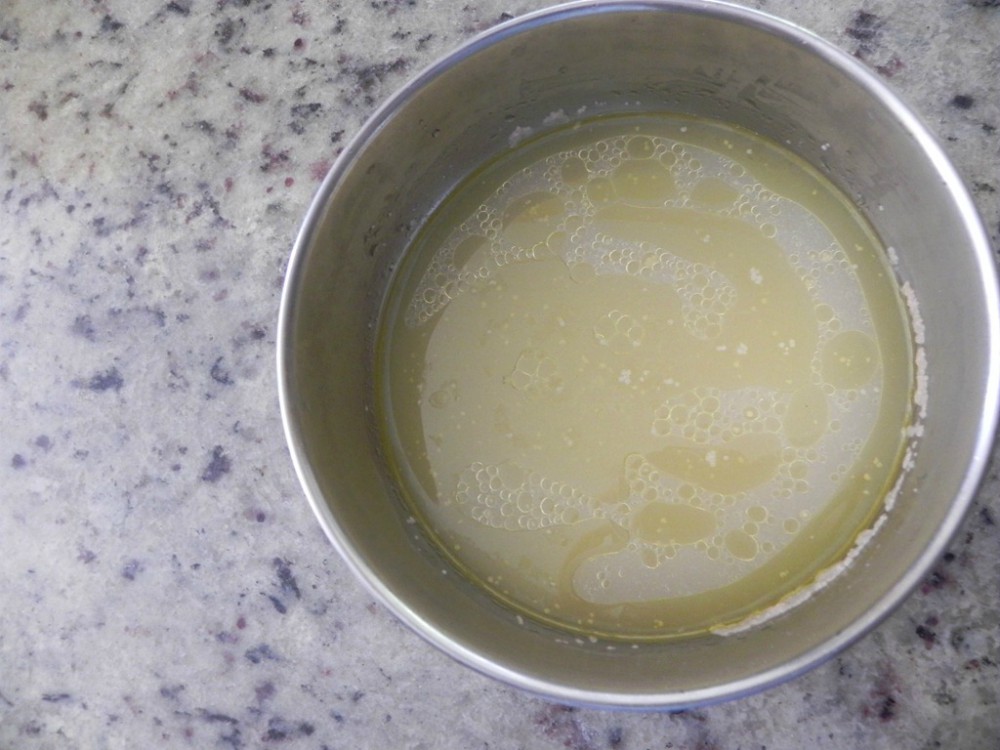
x,y
890,67
260,653
937,579
308,109
83,326
109,380
289,586
264,691
218,466
131,569
391,7
220,374
252,96
109,25
926,632
560,724
180,7
217,717
172,692
229,30
39,109
273,158
279,729
865,29
883,701
615,737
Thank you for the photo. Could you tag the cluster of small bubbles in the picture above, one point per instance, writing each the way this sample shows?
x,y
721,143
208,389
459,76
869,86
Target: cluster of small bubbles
x,y
451,272
793,471
707,415
602,156
686,168
510,498
830,258
643,482
845,399
485,221
535,373
443,281
706,295
648,484
743,207
828,327
506,497
582,181
654,555
616,328
565,175
504,253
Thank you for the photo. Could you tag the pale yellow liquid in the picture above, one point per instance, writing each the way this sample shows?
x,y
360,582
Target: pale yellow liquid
x,y
645,376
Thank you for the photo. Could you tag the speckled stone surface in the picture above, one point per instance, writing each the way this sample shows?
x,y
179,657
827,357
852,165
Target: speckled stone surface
x,y
162,580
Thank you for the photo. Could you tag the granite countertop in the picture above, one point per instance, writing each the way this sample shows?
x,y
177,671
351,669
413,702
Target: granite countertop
x,y
163,582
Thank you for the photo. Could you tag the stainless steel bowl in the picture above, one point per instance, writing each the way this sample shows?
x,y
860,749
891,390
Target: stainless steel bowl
x,y
702,58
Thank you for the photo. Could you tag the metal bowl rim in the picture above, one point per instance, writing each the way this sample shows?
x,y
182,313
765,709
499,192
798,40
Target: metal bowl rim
x,y
858,75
